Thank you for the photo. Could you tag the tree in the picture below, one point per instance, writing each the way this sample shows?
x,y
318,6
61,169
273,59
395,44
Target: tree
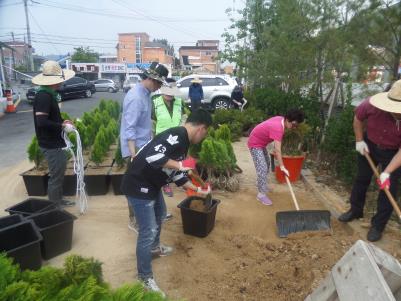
x,y
84,55
378,34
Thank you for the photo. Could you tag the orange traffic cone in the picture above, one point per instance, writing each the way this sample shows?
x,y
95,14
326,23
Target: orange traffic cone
x,y
10,104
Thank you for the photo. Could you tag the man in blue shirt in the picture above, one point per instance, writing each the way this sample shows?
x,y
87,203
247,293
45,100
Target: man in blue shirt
x,y
136,122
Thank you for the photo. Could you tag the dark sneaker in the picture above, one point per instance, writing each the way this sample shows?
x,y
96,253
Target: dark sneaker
x,y
374,234
66,203
349,216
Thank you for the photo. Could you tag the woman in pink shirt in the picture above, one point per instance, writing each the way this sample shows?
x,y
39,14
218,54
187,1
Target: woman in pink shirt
x,y
271,130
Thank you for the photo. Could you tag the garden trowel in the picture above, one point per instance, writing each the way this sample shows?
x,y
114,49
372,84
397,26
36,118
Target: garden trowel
x,y
208,200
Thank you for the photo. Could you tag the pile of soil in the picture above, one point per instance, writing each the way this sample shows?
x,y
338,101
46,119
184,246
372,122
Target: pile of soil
x,y
241,259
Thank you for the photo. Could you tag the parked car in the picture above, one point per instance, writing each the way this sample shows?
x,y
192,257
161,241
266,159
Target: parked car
x,y
75,87
216,90
130,82
105,85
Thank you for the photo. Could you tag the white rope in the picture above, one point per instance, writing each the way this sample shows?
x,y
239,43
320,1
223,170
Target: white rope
x,y
82,201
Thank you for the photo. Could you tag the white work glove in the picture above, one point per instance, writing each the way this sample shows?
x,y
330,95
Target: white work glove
x,y
384,180
183,168
361,147
284,170
203,191
203,101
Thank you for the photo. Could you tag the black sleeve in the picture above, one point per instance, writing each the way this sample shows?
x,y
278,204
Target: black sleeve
x,y
44,121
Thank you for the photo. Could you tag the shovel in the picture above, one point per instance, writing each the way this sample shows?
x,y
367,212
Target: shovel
x,y
386,191
208,200
301,220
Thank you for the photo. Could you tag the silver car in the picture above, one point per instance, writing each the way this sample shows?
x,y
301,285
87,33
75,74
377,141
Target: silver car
x,y
216,89
105,85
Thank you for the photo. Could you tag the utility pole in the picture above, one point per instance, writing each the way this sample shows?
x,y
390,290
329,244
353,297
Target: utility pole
x,y
13,55
28,30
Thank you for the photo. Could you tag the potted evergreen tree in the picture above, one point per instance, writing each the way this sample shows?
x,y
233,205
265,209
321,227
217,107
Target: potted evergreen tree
x,y
293,152
36,178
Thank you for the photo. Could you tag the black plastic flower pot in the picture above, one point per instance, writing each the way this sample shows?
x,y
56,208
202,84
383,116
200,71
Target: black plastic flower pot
x,y
10,220
197,223
97,184
116,180
31,206
35,184
56,228
22,243
70,185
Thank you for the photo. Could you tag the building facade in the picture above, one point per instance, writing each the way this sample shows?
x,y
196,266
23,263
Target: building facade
x,y
202,57
130,47
157,52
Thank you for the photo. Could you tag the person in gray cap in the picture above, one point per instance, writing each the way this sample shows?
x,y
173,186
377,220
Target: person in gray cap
x,y
136,122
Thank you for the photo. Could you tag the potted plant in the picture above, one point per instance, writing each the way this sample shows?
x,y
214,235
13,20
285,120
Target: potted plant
x,y
36,178
117,171
293,152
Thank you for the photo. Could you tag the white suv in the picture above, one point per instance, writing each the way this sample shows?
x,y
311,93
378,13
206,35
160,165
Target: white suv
x,y
216,89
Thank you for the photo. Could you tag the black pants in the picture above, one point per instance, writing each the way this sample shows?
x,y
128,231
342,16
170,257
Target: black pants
x,y
195,105
363,179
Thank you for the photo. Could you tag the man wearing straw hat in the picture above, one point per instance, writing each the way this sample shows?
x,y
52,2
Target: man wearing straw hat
x,y
381,116
168,112
49,125
136,121
195,93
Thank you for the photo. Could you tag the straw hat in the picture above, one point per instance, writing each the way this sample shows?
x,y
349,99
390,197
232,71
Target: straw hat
x,y
157,72
52,74
196,80
388,101
170,90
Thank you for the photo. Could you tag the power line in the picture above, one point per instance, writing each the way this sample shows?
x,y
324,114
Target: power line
x,y
40,28
102,12
121,3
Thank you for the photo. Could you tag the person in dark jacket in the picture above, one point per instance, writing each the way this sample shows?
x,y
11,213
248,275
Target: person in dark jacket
x,y
160,162
49,125
195,93
237,98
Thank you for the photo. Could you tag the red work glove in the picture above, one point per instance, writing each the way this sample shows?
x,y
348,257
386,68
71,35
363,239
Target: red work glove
x,y
384,180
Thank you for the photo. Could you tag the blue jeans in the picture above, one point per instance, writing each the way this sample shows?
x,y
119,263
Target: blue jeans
x,y
149,215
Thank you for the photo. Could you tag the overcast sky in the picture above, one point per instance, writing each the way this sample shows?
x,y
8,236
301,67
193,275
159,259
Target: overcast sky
x,y
57,26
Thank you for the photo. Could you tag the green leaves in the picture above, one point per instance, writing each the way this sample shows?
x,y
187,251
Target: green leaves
x,y
34,153
79,280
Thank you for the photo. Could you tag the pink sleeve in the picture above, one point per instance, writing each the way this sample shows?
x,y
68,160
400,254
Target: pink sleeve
x,y
362,111
276,135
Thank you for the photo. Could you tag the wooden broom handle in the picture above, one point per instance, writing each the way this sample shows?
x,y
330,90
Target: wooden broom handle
x,y
387,192
292,192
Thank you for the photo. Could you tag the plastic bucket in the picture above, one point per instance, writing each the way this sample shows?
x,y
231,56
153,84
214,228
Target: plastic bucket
x,y
294,167
22,243
31,206
197,223
56,227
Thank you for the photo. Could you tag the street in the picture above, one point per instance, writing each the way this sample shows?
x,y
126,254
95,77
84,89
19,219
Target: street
x,y
19,128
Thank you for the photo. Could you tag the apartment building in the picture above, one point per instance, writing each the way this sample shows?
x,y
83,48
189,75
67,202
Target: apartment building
x,y
131,46
202,57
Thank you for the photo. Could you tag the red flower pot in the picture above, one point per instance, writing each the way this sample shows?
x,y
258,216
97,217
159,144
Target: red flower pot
x,y
293,165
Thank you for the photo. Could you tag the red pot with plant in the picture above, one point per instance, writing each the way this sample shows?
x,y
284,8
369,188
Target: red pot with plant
x,y
293,151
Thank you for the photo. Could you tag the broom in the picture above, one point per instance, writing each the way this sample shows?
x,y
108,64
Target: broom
x,y
301,220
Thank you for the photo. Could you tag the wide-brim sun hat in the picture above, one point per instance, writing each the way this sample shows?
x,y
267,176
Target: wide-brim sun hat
x,y
170,90
52,74
157,72
388,101
196,80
